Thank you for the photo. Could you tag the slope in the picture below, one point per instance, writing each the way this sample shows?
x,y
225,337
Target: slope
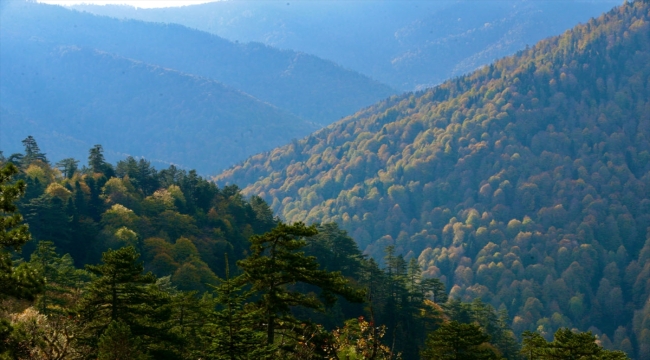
x,y
71,98
315,89
525,183
395,42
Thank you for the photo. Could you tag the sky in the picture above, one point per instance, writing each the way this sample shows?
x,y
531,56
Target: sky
x,y
135,3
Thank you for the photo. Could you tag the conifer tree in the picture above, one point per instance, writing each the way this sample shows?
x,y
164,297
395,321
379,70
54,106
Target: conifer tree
x,y
232,333
60,277
117,343
68,167
32,151
275,263
122,292
19,282
456,341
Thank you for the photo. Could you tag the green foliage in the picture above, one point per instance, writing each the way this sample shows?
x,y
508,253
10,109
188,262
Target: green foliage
x,y
519,184
122,292
117,343
275,263
18,282
455,341
232,333
567,344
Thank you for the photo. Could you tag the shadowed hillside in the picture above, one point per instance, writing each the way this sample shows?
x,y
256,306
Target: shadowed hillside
x,y
72,98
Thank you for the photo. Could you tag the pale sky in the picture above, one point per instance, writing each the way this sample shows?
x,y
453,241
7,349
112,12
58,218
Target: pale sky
x,y
136,3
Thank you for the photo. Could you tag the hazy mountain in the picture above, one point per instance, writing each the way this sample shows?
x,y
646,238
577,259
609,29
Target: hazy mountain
x,y
315,89
70,98
525,183
407,44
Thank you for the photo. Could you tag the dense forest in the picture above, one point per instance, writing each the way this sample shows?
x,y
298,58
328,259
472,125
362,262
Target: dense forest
x,y
407,44
127,262
524,184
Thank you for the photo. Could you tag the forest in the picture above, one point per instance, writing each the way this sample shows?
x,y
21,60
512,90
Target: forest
x,y
123,261
524,184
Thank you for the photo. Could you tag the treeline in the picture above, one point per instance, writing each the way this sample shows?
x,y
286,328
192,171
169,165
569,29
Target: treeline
x,y
258,289
525,184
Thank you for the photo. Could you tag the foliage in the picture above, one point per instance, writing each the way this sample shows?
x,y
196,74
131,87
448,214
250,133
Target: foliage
x,y
275,263
566,344
454,341
523,184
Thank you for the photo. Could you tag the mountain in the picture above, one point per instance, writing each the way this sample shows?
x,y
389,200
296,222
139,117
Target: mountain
x,y
315,89
525,183
407,44
71,98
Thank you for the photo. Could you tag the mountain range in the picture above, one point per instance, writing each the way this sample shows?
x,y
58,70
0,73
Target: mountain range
x,y
406,44
524,184
222,91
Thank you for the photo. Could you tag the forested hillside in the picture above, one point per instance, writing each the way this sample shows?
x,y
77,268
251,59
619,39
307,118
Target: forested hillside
x,y
74,97
177,268
525,184
406,44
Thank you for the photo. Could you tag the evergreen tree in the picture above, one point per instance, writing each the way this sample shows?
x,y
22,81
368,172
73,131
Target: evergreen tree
x,y
32,151
19,282
275,263
456,341
232,332
60,276
68,167
118,343
97,163
121,292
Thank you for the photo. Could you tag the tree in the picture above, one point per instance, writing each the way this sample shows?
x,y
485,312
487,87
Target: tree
x,y
122,292
567,344
117,343
97,163
60,276
456,341
32,151
533,345
275,263
232,331
20,282
68,167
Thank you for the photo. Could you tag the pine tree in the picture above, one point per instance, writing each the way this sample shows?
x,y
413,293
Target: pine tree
x,y
232,332
117,343
60,276
32,151
275,263
121,292
19,282
456,341
68,167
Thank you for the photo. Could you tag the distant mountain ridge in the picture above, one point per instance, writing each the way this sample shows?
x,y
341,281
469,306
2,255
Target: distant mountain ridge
x,y
275,95
406,44
315,89
525,184
132,108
